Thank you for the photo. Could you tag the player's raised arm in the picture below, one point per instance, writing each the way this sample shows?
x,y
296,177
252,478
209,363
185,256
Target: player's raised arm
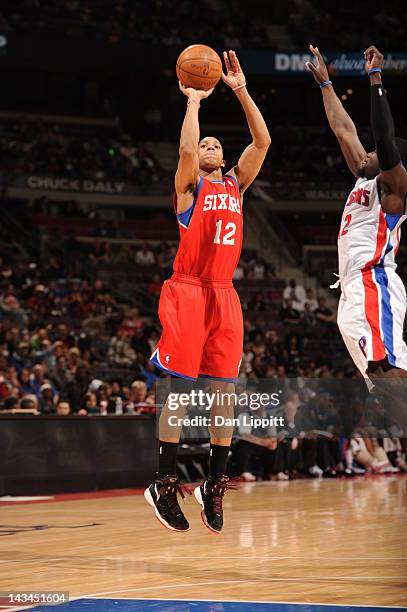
x,y
253,156
339,120
393,175
186,177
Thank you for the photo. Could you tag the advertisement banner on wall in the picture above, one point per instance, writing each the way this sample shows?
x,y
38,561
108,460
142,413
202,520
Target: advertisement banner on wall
x,y
341,64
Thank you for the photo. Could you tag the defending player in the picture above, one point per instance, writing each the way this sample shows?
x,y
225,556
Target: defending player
x,y
372,307
199,308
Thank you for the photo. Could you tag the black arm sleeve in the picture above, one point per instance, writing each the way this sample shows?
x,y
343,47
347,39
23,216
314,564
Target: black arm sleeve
x,y
383,129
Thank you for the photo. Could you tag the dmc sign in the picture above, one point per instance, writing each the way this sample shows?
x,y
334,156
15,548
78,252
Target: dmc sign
x,y
292,62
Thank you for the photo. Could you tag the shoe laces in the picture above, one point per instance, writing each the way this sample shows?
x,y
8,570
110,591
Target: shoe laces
x,y
169,489
218,488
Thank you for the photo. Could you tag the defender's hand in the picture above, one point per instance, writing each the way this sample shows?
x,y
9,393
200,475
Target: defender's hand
x,y
234,76
374,59
195,94
318,66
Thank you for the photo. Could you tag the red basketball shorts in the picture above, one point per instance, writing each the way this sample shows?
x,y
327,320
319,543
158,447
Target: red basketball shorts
x,y
202,328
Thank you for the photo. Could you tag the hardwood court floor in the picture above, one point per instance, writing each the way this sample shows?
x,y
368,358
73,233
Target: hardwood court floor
x,y
331,541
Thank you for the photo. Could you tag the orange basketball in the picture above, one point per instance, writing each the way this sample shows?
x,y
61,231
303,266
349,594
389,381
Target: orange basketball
x,y
199,67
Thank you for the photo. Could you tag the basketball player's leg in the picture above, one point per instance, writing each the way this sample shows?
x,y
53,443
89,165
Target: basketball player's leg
x,y
181,312
210,493
390,374
179,353
221,361
163,492
370,317
354,327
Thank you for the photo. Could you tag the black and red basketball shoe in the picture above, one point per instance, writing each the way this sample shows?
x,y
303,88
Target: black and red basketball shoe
x,y
210,496
162,495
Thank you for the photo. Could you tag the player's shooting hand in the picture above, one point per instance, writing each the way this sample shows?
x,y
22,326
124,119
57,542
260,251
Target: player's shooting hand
x,y
195,94
234,76
317,66
373,58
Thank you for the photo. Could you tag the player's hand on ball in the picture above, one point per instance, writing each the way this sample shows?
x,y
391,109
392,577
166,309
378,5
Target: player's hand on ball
x,y
318,66
374,59
234,76
195,94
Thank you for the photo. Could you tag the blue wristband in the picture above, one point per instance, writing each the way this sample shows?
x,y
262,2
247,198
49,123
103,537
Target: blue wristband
x,y
325,83
373,70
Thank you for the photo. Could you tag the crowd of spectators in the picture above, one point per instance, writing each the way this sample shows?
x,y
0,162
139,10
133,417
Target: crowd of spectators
x,y
163,22
27,147
147,22
60,324
77,345
342,27
314,440
300,156
74,152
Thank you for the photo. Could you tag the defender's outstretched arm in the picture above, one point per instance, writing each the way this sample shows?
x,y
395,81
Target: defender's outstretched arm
x,y
339,120
186,177
252,158
393,175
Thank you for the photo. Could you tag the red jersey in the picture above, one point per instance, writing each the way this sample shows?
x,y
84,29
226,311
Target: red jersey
x,y
211,231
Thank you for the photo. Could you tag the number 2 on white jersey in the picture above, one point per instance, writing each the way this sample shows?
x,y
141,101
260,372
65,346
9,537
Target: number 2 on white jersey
x,y
345,227
228,237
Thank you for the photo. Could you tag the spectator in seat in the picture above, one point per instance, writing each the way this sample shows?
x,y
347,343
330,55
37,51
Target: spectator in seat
x,y
154,288
258,346
28,405
137,403
296,293
47,399
89,405
60,376
10,404
238,274
120,352
37,379
288,437
25,381
145,256
258,270
10,309
290,315
274,346
323,313
255,449
310,298
308,316
21,357
63,409
258,303
100,252
133,321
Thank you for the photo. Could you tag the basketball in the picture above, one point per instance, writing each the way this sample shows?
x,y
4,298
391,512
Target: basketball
x,y
199,67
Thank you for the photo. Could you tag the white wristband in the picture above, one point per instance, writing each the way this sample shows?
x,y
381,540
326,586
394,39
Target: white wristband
x,y
239,87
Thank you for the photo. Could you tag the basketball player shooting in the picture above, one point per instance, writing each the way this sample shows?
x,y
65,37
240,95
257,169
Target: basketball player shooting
x,y
372,307
199,309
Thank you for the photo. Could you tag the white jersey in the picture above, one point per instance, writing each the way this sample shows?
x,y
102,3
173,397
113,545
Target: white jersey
x,y
373,303
368,236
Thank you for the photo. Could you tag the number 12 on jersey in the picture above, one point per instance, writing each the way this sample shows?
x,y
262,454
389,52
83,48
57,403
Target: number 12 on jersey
x,y
228,234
